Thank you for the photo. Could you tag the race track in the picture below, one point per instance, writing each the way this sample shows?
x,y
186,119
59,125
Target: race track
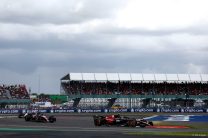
x,y
72,126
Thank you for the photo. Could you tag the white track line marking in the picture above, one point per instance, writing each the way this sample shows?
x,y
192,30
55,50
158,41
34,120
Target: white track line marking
x,y
151,117
8,116
178,118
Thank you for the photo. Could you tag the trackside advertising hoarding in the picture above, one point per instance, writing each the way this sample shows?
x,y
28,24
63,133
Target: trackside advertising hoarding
x,y
117,110
62,111
193,110
90,110
9,111
141,110
170,110
144,110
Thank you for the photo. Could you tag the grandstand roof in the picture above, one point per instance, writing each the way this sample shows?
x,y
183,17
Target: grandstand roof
x,y
135,77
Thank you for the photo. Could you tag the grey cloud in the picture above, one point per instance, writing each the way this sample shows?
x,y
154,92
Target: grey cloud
x,y
56,11
85,56
45,58
196,29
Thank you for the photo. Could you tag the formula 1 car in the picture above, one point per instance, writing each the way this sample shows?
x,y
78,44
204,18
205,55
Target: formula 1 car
x,y
22,115
117,120
38,117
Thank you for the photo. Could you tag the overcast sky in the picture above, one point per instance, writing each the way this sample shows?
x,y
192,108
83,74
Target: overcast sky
x,y
43,40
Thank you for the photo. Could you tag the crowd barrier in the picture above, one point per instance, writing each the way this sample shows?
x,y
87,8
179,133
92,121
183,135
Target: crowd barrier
x,y
172,110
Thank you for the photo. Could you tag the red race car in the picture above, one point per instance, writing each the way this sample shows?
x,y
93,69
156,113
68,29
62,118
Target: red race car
x,y
117,120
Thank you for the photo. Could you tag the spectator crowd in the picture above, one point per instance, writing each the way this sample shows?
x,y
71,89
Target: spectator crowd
x,y
136,88
13,92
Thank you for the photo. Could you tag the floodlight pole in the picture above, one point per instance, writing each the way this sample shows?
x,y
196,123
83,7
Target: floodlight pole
x,y
39,83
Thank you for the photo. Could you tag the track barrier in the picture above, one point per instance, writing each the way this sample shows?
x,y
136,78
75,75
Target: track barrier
x,y
171,110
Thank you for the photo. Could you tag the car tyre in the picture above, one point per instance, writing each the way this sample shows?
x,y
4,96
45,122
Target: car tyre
x,y
132,123
97,122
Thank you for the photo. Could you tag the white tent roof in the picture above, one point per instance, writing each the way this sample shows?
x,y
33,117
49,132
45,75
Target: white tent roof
x,y
160,77
112,76
100,76
183,77
149,77
204,77
195,77
124,76
138,77
88,76
76,76
172,77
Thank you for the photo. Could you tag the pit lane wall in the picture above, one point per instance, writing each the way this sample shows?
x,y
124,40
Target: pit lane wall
x,y
172,110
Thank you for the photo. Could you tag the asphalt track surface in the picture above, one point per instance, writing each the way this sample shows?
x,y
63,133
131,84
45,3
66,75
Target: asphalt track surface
x,y
72,126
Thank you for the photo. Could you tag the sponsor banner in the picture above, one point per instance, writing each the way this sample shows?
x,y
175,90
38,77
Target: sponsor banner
x,y
32,111
9,111
144,110
131,110
193,110
43,111
16,111
23,111
63,111
91,110
35,111
170,110
117,110
181,110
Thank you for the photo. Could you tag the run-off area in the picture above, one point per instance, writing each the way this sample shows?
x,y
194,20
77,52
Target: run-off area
x,y
190,118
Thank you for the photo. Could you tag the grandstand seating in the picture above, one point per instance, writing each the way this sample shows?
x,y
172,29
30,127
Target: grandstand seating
x,y
13,92
136,88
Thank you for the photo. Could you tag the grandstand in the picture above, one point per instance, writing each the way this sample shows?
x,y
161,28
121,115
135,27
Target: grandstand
x,y
13,96
132,90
